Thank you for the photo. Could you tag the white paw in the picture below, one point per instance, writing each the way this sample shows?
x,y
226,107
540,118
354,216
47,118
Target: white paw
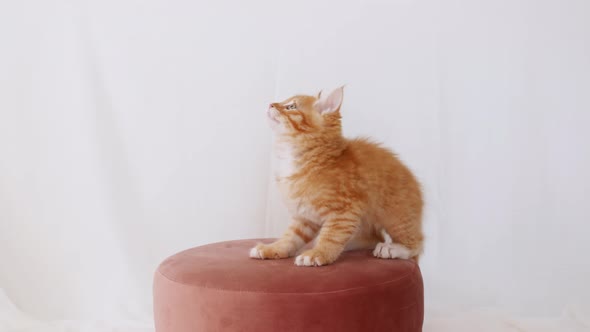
x,y
386,237
391,251
304,260
255,253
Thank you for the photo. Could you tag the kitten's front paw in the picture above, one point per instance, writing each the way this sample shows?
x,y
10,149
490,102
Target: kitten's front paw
x,y
256,253
391,251
268,251
313,257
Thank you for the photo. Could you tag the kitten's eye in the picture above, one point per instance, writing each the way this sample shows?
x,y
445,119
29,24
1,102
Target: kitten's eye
x,y
291,106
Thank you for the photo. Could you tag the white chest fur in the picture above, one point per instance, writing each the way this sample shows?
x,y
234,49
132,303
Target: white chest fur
x,y
284,167
284,160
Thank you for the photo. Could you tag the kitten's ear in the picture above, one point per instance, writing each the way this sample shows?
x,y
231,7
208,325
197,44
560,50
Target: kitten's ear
x,y
332,102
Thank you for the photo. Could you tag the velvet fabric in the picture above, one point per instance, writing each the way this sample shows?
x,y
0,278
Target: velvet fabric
x,y
217,287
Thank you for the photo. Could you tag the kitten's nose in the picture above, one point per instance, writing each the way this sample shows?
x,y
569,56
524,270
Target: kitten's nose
x,y
270,105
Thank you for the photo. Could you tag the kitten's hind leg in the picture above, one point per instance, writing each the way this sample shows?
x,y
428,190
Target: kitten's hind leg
x,y
365,238
299,233
390,250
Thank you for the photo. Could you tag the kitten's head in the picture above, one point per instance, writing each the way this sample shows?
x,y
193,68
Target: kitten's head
x,y
300,115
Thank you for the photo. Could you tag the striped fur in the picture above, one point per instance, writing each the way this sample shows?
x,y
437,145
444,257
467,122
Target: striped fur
x,y
345,193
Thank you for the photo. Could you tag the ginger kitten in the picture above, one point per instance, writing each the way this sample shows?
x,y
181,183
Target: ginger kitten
x,y
349,193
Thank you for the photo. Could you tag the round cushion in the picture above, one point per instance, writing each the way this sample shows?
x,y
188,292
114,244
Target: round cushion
x,y
217,287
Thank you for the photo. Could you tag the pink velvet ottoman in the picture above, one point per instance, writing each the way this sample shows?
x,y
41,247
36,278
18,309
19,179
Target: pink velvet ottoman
x,y
217,287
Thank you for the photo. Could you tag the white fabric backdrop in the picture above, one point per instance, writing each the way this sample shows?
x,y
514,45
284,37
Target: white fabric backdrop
x,y
130,130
